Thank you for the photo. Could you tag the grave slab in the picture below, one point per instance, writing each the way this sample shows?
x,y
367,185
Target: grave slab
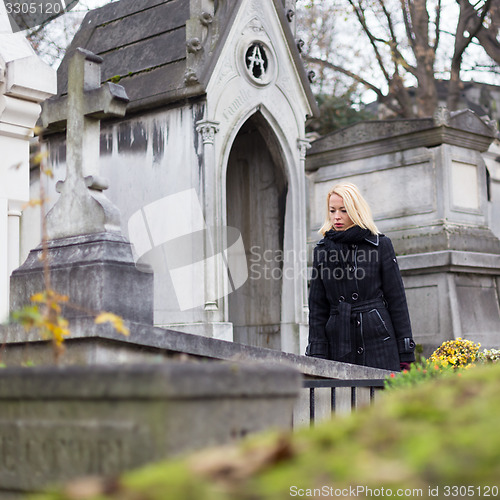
x,y
62,423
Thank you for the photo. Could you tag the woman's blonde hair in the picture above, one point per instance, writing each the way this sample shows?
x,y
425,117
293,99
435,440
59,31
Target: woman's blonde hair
x,y
357,208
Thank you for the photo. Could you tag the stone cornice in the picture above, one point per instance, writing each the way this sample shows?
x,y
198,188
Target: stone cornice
x,y
452,261
375,138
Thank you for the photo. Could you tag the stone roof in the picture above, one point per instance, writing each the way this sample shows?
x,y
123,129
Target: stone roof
x,y
161,51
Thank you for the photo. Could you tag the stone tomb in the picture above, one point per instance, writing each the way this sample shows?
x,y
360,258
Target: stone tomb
x,y
57,424
426,182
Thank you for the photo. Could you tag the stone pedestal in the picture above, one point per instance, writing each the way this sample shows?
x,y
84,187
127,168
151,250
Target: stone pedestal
x,y
96,271
426,182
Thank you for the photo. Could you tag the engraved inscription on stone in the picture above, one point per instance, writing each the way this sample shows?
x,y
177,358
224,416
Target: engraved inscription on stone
x,y
33,454
242,98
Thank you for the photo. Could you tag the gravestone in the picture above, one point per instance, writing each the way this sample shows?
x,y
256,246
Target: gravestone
x,y
58,424
425,180
20,98
90,260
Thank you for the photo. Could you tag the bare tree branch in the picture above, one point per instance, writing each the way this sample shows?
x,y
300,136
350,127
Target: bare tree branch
x,y
437,29
470,22
359,11
387,100
488,35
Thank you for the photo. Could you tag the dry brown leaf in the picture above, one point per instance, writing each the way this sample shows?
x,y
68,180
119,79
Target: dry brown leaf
x,y
233,464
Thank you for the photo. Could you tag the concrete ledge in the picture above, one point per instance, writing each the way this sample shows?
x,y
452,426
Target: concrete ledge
x,y
168,380
91,344
451,260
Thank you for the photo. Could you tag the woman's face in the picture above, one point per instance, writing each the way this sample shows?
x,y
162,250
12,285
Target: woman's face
x,y
338,214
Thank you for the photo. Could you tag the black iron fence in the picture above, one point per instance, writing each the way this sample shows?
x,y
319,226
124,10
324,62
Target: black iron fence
x,y
312,384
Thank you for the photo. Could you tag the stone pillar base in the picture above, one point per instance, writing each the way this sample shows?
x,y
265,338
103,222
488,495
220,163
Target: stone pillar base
x,y
453,294
96,271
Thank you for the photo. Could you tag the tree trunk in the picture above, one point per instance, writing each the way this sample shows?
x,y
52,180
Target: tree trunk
x,y
426,98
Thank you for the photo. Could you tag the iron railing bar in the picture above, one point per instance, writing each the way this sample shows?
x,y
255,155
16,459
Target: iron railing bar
x,y
372,394
310,383
311,406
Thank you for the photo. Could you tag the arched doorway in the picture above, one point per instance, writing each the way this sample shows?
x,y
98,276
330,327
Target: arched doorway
x,y
256,202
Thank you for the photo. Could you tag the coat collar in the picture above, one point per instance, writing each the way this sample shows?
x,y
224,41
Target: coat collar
x,y
374,239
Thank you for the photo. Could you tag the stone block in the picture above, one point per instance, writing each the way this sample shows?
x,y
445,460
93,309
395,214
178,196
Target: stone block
x,y
453,294
61,423
97,273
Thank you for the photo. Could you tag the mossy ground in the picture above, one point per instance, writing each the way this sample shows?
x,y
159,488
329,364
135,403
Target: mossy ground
x,y
441,433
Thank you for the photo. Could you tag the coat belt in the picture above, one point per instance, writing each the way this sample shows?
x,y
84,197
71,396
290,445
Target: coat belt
x,y
345,309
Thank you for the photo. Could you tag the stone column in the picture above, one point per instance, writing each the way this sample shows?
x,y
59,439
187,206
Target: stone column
x,y
25,81
207,130
14,221
303,317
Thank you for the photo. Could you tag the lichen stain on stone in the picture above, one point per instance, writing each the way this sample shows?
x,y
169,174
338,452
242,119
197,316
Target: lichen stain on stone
x,y
132,137
158,143
106,143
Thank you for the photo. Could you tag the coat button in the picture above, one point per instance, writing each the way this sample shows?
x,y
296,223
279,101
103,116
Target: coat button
x,y
360,350
341,298
354,296
358,323
352,269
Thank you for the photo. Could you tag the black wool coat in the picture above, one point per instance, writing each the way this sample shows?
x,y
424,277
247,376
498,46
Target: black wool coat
x,y
357,303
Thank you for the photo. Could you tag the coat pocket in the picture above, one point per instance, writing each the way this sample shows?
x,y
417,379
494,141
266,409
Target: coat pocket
x,y
378,325
380,345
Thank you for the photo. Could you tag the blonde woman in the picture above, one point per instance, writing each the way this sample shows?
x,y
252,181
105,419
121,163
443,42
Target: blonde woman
x,y
357,303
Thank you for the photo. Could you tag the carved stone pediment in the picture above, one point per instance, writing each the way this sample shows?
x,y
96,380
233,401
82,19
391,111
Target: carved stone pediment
x,y
466,119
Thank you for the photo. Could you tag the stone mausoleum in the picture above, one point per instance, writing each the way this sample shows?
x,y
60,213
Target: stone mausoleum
x,y
209,158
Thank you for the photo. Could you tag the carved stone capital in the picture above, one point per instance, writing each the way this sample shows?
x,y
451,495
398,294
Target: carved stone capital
x,y
303,145
207,129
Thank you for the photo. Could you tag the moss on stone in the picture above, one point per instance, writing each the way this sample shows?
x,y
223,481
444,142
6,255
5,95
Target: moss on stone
x,y
440,433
